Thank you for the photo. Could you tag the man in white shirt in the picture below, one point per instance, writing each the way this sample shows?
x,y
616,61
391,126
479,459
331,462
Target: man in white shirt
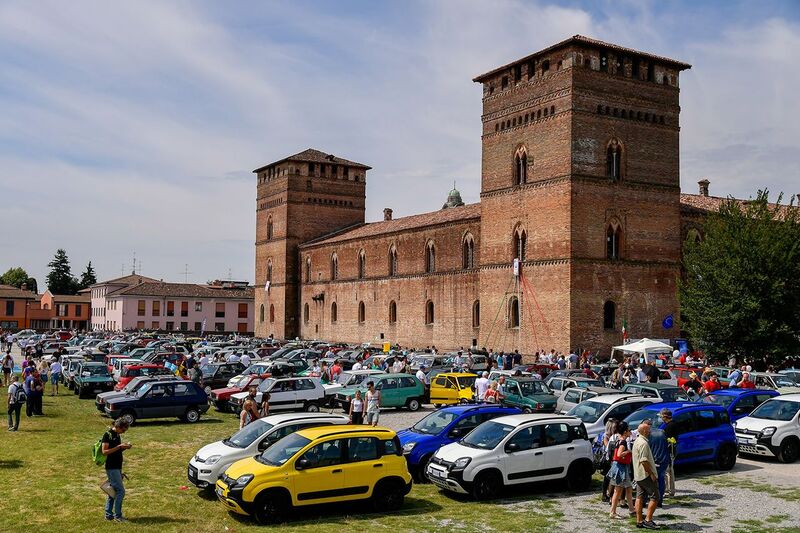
x,y
481,386
233,358
398,365
203,361
641,377
358,365
245,360
422,376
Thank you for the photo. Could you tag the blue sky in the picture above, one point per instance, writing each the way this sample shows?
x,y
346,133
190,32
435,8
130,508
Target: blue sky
x,y
135,126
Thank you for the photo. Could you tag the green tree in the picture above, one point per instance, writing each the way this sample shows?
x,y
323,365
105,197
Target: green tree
x,y
88,277
741,292
60,279
16,277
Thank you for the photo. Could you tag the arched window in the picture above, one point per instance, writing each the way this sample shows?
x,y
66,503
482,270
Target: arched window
x,y
392,261
362,312
520,167
613,241
269,270
308,270
429,312
305,313
271,313
520,243
430,257
334,267
609,315
614,160
468,252
513,312
334,312
269,228
362,264
261,313
693,236
476,314
392,312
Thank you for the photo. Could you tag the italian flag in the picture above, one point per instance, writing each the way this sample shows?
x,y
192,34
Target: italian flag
x,y
624,330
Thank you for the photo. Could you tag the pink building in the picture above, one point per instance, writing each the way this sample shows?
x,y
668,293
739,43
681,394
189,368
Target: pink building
x,y
100,290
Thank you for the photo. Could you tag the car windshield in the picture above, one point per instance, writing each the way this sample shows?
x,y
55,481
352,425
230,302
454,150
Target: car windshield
x,y
344,378
466,382
643,414
417,360
247,435
283,450
588,383
783,381
529,388
95,370
589,412
783,410
673,395
209,371
487,435
141,391
266,385
434,423
241,382
718,399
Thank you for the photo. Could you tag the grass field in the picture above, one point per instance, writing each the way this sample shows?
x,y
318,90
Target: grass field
x,y
49,483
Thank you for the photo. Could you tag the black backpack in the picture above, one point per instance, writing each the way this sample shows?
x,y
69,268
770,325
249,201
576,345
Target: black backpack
x,y
19,394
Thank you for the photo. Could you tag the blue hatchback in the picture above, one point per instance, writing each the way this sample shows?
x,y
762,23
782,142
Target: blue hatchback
x,y
703,432
739,402
441,427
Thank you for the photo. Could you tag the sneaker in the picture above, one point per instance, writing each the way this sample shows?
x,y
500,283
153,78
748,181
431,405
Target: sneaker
x,y
640,525
649,524
109,517
120,519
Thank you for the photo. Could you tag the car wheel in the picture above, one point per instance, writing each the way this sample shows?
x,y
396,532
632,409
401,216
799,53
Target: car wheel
x,y
388,495
192,415
527,410
789,451
726,457
270,508
311,407
579,476
487,486
78,391
128,416
422,477
413,404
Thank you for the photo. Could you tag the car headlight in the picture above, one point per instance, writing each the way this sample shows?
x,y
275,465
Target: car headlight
x,y
241,481
768,432
461,463
407,447
214,459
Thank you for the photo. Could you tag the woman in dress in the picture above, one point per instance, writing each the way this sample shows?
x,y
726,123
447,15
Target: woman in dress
x,y
620,473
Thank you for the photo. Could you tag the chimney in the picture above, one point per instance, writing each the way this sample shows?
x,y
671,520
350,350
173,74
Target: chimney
x,y
387,214
704,183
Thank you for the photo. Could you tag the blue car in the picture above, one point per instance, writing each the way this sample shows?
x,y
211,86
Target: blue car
x,y
441,427
740,402
703,431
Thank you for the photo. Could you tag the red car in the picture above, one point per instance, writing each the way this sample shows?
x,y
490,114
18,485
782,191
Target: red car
x,y
109,360
145,369
221,396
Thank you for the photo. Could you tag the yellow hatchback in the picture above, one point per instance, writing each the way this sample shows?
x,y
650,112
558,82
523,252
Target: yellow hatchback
x,y
450,388
317,466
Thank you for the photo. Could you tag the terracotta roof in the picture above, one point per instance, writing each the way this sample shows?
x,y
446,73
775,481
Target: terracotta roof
x,y
315,156
69,298
700,204
383,227
9,291
130,279
580,39
183,290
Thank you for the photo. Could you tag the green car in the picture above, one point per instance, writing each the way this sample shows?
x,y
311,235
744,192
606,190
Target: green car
x,y
92,378
397,390
530,395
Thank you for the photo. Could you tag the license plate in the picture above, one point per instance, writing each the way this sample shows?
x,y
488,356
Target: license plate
x,y
220,492
744,440
98,390
436,473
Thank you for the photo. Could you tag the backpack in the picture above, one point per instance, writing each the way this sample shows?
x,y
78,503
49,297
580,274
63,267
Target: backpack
x,y
97,452
19,394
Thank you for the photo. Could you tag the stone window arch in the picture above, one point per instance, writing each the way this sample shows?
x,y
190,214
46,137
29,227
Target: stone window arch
x,y
392,260
614,160
334,266
334,313
694,236
362,264
305,313
513,312
308,269
392,312
520,244
609,315
269,228
614,240
269,270
261,313
552,110
429,312
430,257
521,166
271,313
468,251
362,312
476,314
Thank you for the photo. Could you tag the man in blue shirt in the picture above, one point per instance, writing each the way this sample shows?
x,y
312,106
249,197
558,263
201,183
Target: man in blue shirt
x,y
660,449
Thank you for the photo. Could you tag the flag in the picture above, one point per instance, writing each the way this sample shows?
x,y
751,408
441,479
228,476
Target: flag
x,y
624,330
668,322
203,327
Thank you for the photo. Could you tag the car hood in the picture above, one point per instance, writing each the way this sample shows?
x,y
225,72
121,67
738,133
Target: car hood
x,y
350,391
455,450
215,448
407,436
96,379
757,424
250,466
226,391
111,395
547,399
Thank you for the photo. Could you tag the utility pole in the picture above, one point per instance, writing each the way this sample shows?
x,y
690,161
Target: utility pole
x,y
186,273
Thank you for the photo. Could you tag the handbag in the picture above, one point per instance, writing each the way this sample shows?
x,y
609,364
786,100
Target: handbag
x,y
106,487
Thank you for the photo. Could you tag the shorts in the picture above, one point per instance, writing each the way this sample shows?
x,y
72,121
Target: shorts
x,y
646,488
54,379
6,370
372,417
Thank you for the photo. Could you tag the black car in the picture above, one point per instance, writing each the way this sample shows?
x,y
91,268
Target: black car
x,y
160,399
216,375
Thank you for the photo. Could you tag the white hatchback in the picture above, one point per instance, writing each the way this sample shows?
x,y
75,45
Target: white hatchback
x,y
596,411
772,429
213,459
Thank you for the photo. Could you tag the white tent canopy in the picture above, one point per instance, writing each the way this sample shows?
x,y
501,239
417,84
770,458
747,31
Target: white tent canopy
x,y
643,346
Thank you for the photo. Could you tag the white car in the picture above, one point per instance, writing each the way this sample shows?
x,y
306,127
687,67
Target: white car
x,y
287,394
772,429
511,450
596,411
213,459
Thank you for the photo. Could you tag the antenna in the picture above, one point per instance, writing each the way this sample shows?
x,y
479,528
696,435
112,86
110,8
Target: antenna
x,y
230,276
186,273
134,262
122,270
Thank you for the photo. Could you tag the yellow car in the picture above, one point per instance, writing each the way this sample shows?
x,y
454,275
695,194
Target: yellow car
x,y
318,465
449,388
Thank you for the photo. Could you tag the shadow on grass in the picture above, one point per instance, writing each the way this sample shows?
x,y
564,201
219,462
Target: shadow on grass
x,y
13,463
207,495
705,470
156,520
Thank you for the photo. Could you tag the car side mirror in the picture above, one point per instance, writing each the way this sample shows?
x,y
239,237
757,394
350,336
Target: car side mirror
x,y
455,433
512,447
264,444
302,464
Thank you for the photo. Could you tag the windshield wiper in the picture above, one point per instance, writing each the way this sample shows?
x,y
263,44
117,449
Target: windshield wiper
x,y
229,442
469,444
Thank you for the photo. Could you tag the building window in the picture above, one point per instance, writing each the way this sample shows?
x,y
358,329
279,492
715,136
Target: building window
x,y
219,326
243,310
545,65
609,315
184,326
518,72
78,310
392,312
476,314
614,160
198,307
334,267
308,270
613,241
362,264
156,308
513,312
140,325
520,167
429,312
220,310
261,313
504,82
392,261
269,228
468,252
170,326
269,271
271,313
430,258
334,312
170,308
140,309
362,312
184,308
305,313
9,307
520,243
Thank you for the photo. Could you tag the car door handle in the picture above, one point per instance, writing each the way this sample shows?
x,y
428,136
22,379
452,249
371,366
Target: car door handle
x,y
570,448
377,465
337,471
538,453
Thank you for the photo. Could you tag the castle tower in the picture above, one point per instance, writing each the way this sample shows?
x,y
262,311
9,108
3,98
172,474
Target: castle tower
x,y
580,181
299,198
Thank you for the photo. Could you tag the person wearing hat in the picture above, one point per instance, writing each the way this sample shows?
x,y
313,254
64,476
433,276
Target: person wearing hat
x,y
693,384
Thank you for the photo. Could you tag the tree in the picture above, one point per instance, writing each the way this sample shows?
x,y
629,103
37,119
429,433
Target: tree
x,y
60,279
17,277
88,277
741,292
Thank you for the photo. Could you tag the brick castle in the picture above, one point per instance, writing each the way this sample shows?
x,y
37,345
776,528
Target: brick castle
x,y
579,228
